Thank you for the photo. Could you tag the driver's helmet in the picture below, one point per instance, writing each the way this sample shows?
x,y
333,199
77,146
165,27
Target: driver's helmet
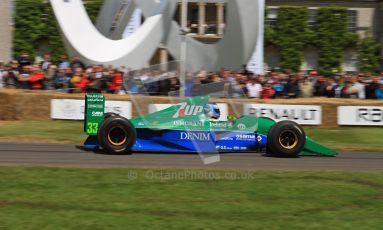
x,y
212,111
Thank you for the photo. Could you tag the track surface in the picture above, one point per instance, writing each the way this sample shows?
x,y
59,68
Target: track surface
x,y
69,156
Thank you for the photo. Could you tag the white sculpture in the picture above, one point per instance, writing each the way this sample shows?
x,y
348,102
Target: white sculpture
x,y
101,46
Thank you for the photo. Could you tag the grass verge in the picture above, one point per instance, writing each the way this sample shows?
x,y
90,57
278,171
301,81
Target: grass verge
x,y
341,139
44,198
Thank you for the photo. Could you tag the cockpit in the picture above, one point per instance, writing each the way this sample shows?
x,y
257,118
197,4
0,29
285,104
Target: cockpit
x,y
212,111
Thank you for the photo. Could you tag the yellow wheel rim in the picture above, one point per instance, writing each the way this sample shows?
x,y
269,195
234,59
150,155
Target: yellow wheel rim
x,y
117,136
288,139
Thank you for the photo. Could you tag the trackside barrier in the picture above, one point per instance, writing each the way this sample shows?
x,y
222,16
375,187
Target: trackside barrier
x,y
33,105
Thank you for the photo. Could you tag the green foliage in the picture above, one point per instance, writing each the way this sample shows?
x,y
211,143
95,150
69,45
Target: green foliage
x,y
292,31
93,8
332,38
35,24
369,55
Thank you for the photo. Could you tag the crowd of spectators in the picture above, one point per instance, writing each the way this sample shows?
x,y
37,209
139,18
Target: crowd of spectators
x,y
66,76
74,77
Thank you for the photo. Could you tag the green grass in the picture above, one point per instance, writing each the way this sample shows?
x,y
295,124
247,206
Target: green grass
x,y
44,131
349,138
43,198
341,139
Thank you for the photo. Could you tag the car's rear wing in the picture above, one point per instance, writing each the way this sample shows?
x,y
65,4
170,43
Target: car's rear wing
x,y
94,112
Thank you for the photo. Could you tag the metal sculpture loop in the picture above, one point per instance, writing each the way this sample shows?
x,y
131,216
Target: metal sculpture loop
x,y
101,45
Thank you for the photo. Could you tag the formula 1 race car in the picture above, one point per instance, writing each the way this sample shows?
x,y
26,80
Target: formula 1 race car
x,y
191,127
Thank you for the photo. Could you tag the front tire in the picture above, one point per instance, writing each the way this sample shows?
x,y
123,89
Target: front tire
x,y
286,139
117,135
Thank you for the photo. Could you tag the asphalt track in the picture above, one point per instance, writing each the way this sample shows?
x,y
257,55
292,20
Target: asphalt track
x,y
70,156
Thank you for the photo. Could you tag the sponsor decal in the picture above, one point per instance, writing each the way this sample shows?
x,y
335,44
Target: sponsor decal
x,y
188,110
141,124
222,107
225,148
245,137
226,139
97,114
93,106
259,138
195,136
241,126
221,125
188,123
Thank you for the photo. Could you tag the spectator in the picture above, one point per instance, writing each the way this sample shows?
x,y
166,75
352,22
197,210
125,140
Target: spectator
x,y
348,91
232,88
320,86
354,89
93,84
61,80
49,76
254,89
77,63
2,73
214,78
36,78
360,87
371,88
292,88
24,77
24,60
98,70
76,78
46,63
11,76
340,82
174,84
330,87
379,92
268,92
64,63
306,88
164,84
189,85
116,83
278,87
202,75
81,86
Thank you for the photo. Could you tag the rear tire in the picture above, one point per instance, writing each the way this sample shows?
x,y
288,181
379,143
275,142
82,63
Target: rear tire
x,y
286,139
117,135
107,115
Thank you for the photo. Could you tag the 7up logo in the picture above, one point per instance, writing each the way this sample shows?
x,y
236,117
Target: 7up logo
x,y
187,110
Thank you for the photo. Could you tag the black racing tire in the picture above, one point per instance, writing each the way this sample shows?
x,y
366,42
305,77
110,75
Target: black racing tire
x,y
286,139
107,115
117,135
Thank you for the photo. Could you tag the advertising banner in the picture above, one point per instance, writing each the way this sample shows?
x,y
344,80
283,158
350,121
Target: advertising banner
x,y
65,109
222,106
360,115
301,114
